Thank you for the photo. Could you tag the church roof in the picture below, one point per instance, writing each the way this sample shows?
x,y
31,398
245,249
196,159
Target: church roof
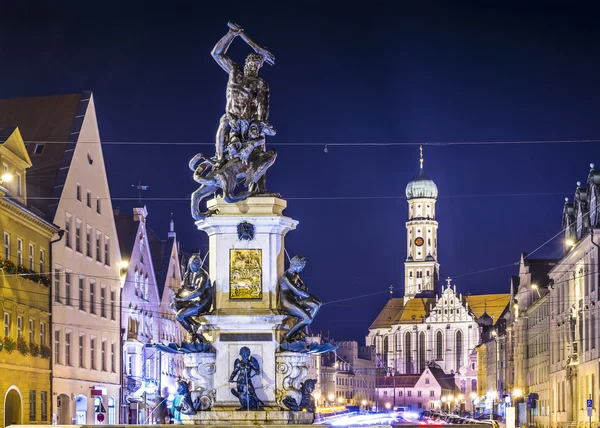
x,y
421,187
492,304
396,312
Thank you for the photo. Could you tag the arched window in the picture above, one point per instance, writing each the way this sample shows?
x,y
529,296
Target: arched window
x,y
474,385
421,352
458,349
408,352
439,344
385,351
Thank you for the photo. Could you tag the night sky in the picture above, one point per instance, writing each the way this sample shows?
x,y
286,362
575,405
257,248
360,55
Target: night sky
x,y
378,71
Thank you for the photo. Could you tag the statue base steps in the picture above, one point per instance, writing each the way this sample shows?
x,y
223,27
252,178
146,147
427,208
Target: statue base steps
x,y
230,416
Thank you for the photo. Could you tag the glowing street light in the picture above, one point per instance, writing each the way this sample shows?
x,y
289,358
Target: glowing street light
x,y
331,397
537,289
517,393
364,402
570,243
6,178
388,406
340,400
461,397
473,395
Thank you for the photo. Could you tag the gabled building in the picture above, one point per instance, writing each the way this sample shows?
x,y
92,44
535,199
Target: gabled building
x,y
152,277
67,183
25,381
431,390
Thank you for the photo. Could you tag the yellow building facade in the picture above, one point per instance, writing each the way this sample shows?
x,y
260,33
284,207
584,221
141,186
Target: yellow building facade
x,y
25,375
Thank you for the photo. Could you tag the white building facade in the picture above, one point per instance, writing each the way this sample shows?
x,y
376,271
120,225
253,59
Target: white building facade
x,y
68,183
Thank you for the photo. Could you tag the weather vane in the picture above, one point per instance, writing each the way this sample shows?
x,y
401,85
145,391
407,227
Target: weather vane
x,y
140,187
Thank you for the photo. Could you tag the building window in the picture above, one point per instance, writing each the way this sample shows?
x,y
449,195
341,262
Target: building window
x,y
78,236
432,393
42,261
6,246
31,257
57,285
81,284
19,327
459,351
439,344
92,297
42,334
409,393
37,150
32,405
19,185
427,380
129,364
19,251
418,393
81,360
98,205
78,192
6,324
31,331
68,230
112,305
98,252
593,331
68,349
57,346
102,302
408,352
106,254
89,199
103,355
68,288
88,241
92,353
44,405
113,365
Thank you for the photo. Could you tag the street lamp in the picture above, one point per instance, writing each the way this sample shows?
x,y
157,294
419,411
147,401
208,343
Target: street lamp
x,y
388,406
517,393
340,400
6,178
536,288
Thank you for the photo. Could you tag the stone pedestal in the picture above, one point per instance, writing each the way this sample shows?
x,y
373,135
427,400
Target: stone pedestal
x,y
292,370
200,371
246,260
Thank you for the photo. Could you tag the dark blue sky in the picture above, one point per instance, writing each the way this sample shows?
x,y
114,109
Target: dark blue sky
x,y
378,71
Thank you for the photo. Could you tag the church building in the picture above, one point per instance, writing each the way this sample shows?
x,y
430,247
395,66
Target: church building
x,y
431,326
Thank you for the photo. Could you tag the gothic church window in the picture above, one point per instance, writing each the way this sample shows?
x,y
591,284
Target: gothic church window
x,y
439,342
421,352
458,349
408,352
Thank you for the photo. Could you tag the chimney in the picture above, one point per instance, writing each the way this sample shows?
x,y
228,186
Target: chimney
x,y
140,214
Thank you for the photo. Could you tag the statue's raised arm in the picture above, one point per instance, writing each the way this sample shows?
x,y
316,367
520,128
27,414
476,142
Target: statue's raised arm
x,y
220,50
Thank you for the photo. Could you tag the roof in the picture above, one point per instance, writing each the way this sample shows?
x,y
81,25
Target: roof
x,y
421,187
493,304
396,312
446,381
416,309
161,258
54,118
402,381
127,229
387,316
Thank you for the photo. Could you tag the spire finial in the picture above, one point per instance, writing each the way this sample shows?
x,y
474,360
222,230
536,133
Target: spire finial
x,y
421,155
448,282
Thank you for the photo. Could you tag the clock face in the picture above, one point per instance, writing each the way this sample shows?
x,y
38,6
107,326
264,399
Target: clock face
x,y
419,241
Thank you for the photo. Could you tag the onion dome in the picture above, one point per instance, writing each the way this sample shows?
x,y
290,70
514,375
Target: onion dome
x,y
421,186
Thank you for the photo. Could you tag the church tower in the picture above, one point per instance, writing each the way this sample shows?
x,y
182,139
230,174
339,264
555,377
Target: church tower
x,y
421,269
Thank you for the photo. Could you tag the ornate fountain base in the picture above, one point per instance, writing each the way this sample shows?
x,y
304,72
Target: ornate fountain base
x,y
229,416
